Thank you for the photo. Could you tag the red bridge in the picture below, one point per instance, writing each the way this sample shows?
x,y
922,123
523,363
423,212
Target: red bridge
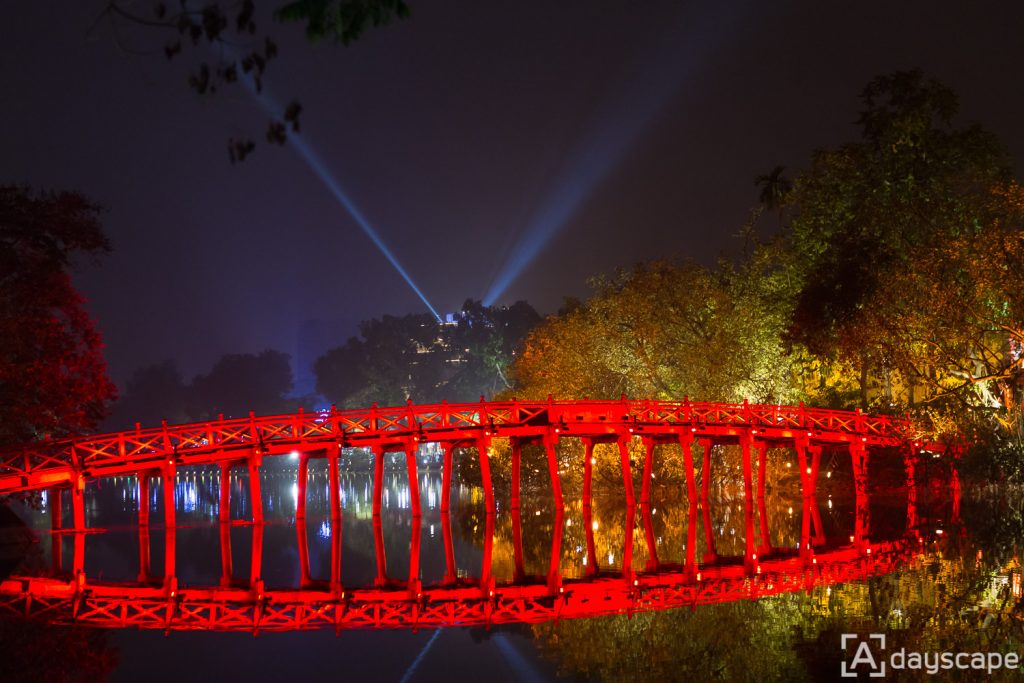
x,y
66,465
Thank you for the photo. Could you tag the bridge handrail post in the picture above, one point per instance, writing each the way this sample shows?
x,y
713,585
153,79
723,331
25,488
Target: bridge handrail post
x,y
687,412
411,417
803,416
373,416
746,411
444,413
483,412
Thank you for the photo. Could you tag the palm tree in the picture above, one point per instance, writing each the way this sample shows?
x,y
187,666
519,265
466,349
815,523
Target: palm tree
x,y
775,189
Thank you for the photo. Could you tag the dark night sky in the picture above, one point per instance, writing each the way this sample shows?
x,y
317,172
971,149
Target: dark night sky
x,y
633,129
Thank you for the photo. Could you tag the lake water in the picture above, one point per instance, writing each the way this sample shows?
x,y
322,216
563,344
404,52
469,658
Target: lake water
x,y
953,586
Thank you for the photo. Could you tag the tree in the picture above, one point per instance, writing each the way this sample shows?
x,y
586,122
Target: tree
x,y
665,331
866,212
238,383
153,393
232,27
414,357
53,378
775,189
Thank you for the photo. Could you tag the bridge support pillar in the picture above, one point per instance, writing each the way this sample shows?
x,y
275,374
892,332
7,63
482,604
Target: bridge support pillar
x,y
645,487
450,572
686,446
482,447
226,569
167,474
144,565
690,563
910,467
334,482
378,479
750,552
486,578
517,545
302,540
588,471
588,528
762,507
143,493
224,511
411,453
651,540
256,561
56,524
446,476
862,519
78,502
253,465
301,483
627,473
378,550
550,441
705,502
554,568
517,454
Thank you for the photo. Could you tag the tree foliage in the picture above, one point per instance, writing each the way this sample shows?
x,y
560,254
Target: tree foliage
x,y
243,50
664,331
53,377
413,356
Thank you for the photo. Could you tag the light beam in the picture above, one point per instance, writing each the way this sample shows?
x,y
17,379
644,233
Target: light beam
x,y
618,124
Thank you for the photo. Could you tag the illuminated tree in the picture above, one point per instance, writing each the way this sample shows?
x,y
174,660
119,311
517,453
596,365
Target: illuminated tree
x,y
53,378
864,212
666,331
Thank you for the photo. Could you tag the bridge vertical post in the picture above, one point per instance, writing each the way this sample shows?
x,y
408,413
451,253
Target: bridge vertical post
x,y
486,579
378,551
482,446
450,572
554,569
411,452
224,511
910,467
167,473
517,544
550,440
302,481
705,472
588,471
800,446
256,561
686,445
226,570
378,478
517,454
56,525
705,500
302,540
762,506
144,565
413,584
78,502
750,554
645,487
627,545
143,493
253,466
588,529
954,482
649,537
446,476
627,474
812,487
334,482
691,541
862,521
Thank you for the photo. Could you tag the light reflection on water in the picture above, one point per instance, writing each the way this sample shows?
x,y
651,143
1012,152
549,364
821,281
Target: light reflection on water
x,y
114,553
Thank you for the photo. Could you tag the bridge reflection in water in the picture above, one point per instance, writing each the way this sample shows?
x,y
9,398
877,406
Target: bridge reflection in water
x,y
463,596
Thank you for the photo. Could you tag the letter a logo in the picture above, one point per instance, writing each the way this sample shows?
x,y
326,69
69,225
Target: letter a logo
x,y
863,655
